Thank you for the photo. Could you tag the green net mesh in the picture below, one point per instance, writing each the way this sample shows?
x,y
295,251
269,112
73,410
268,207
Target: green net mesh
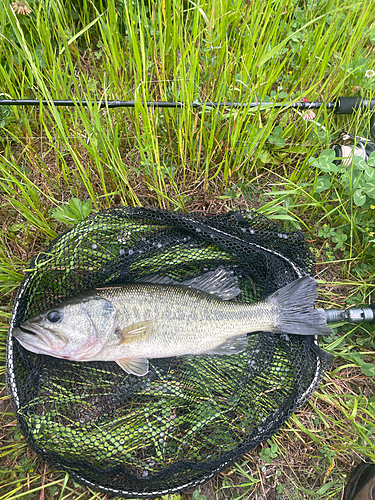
x,y
190,416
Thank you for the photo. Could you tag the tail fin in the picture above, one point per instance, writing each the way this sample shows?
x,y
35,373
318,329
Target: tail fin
x,y
296,312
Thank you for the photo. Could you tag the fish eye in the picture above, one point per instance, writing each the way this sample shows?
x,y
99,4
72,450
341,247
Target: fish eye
x,y
54,316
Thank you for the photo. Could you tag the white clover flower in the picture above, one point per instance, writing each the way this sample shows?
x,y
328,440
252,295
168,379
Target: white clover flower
x,y
21,8
370,73
310,115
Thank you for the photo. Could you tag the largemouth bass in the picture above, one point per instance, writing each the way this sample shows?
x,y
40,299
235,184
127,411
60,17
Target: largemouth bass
x,y
138,321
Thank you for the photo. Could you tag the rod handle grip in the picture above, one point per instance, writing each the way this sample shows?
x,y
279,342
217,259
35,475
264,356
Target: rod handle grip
x,y
347,105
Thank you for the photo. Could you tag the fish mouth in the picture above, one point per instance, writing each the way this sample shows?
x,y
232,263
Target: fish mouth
x,y
30,340
37,340
25,330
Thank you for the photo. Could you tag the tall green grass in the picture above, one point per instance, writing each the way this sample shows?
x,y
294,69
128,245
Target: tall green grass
x,y
211,159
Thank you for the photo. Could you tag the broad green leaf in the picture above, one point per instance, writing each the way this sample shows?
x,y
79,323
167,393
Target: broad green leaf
x,y
80,208
325,487
322,184
325,161
325,166
276,138
63,214
370,172
327,155
360,162
368,369
265,156
369,188
359,198
72,213
371,160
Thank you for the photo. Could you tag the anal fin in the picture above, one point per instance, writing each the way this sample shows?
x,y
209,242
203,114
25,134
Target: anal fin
x,y
134,366
232,346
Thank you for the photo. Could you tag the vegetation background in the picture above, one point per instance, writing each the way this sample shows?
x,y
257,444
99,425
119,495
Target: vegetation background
x,y
59,164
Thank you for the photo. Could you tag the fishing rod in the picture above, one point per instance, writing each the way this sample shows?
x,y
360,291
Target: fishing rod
x,y
341,106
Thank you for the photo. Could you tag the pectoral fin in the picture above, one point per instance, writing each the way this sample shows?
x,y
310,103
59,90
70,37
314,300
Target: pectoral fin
x,y
137,332
135,366
231,346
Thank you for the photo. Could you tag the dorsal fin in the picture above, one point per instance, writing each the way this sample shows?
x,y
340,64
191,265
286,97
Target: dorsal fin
x,y
219,282
158,280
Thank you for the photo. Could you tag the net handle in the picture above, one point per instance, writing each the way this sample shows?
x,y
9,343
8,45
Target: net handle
x,y
354,315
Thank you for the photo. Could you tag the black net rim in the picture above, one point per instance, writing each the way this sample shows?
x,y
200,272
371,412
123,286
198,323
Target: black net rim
x,y
149,492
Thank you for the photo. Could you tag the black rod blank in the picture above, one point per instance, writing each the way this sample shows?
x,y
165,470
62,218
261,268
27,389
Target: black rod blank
x,y
159,104
343,105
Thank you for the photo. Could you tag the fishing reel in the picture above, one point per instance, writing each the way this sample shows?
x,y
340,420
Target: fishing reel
x,y
350,146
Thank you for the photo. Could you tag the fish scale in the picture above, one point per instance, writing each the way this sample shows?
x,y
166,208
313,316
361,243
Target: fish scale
x,y
184,321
